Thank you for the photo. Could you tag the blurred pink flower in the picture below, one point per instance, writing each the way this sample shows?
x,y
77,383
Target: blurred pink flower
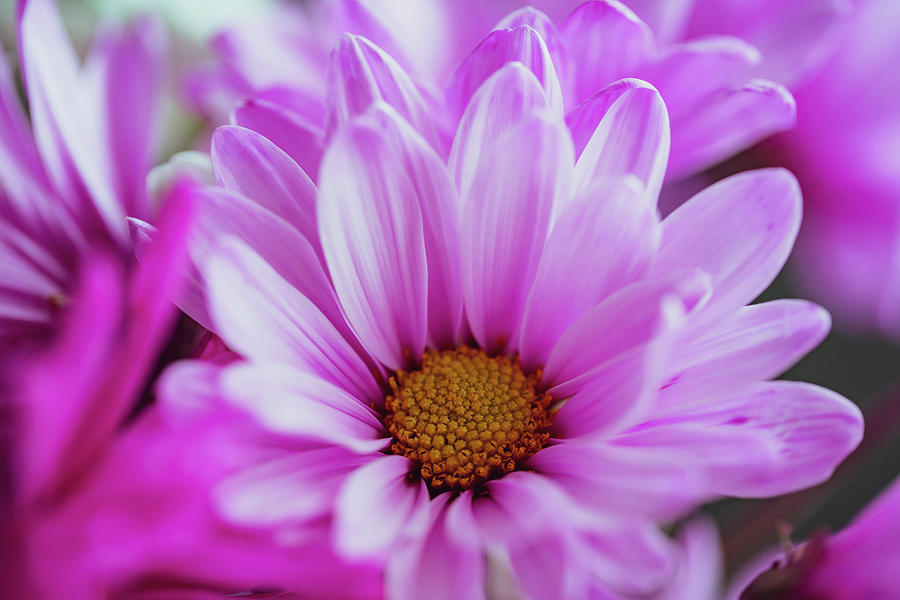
x,y
614,376
717,104
859,563
66,188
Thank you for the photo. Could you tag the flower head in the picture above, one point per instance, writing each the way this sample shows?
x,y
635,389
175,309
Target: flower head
x,y
499,369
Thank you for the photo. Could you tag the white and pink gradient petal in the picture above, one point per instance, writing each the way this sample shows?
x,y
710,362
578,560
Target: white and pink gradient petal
x,y
739,230
264,318
245,162
522,181
608,215
372,231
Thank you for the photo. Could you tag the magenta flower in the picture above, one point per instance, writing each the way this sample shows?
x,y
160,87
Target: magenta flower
x,y
717,104
67,189
501,371
858,563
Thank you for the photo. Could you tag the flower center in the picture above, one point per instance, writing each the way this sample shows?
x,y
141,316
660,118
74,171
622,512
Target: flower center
x,y
465,417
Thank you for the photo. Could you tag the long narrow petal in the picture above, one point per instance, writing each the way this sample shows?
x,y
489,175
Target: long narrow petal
x,y
375,505
728,121
625,320
246,162
359,73
290,402
521,44
629,482
631,136
521,182
434,559
129,65
605,41
610,216
439,204
759,342
502,101
299,138
298,488
264,318
373,237
67,123
810,429
739,230
223,213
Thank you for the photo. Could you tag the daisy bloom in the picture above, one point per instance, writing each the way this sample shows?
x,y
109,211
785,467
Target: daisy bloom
x,y
495,375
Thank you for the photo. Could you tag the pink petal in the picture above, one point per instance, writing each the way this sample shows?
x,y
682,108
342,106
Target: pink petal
x,y
618,392
608,215
375,505
432,563
264,318
246,162
739,230
729,121
373,237
299,404
700,570
717,456
605,41
223,213
543,25
441,221
21,171
759,342
521,181
282,493
66,121
812,430
71,371
302,140
521,44
626,320
130,65
666,19
629,482
631,136
502,101
359,73
685,74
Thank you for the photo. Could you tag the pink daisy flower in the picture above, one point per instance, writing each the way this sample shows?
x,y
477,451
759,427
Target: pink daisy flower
x,y
498,373
858,563
280,65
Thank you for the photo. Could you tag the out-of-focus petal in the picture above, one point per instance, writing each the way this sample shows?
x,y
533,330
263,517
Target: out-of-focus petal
x,y
299,138
375,505
729,121
605,41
